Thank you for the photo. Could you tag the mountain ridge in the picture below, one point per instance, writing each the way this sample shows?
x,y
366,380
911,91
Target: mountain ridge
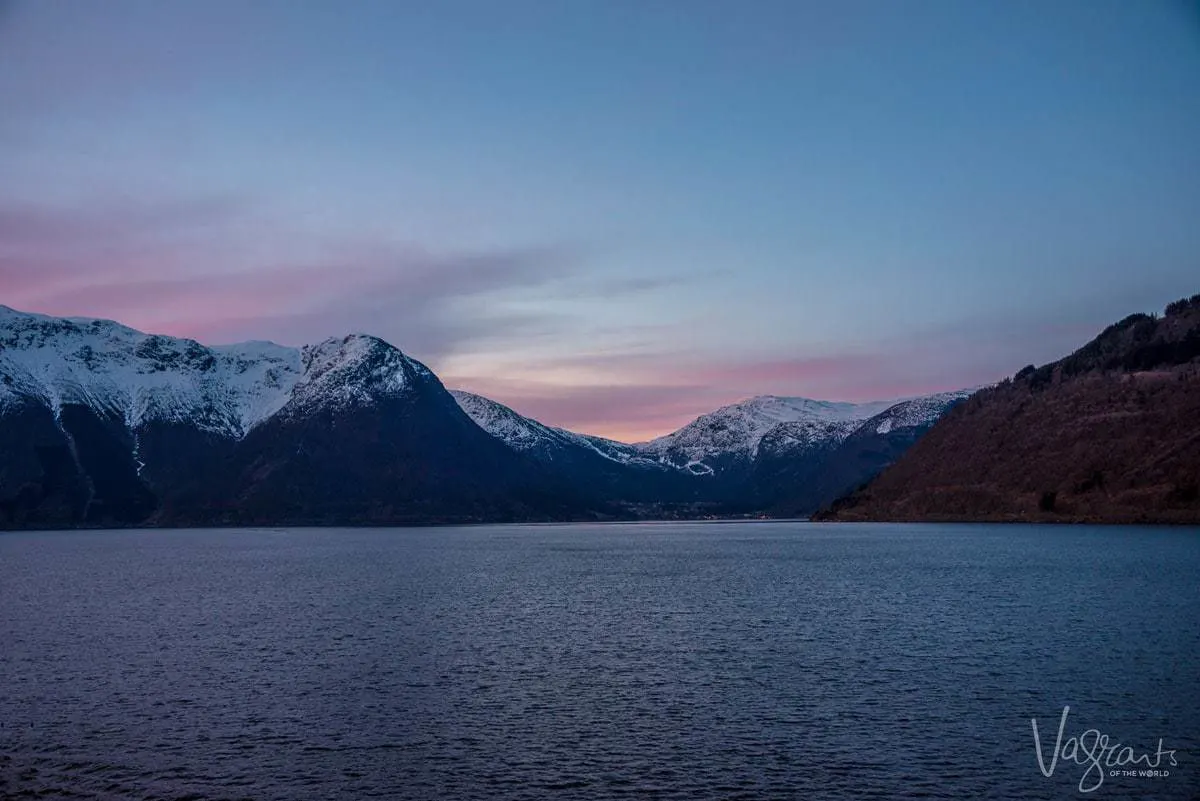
x,y
101,422
1108,433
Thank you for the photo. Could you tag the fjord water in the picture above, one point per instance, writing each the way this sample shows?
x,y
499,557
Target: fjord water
x,y
735,660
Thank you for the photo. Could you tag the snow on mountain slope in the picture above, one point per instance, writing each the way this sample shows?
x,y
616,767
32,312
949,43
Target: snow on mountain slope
x,y
115,369
738,429
227,389
525,434
519,432
917,411
353,370
791,436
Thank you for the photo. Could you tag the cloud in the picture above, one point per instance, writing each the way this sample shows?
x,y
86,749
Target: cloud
x,y
619,287
635,394
40,243
626,412
646,407
216,269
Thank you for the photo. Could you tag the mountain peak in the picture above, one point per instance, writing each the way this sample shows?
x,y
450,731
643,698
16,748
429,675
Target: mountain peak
x,y
352,347
355,369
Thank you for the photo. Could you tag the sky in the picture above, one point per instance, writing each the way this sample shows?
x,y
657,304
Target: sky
x,y
612,216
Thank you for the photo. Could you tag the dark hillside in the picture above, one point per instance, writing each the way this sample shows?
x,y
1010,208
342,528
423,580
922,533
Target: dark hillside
x,y
1110,433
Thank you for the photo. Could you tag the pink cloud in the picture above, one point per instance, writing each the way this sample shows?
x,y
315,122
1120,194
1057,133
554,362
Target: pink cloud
x,y
189,269
660,392
628,413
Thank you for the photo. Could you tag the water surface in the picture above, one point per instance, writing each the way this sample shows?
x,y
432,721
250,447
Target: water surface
x,y
737,660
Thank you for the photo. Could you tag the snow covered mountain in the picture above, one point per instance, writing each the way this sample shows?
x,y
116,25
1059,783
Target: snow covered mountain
x,y
733,434
103,424
226,390
141,377
873,445
762,453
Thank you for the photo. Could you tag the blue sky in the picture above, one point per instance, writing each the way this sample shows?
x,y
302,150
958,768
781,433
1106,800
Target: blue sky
x,y
611,215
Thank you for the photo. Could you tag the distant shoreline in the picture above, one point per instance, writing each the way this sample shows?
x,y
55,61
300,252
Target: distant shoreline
x,y
830,522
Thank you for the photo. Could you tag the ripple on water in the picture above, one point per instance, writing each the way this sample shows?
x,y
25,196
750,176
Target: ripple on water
x,y
590,662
